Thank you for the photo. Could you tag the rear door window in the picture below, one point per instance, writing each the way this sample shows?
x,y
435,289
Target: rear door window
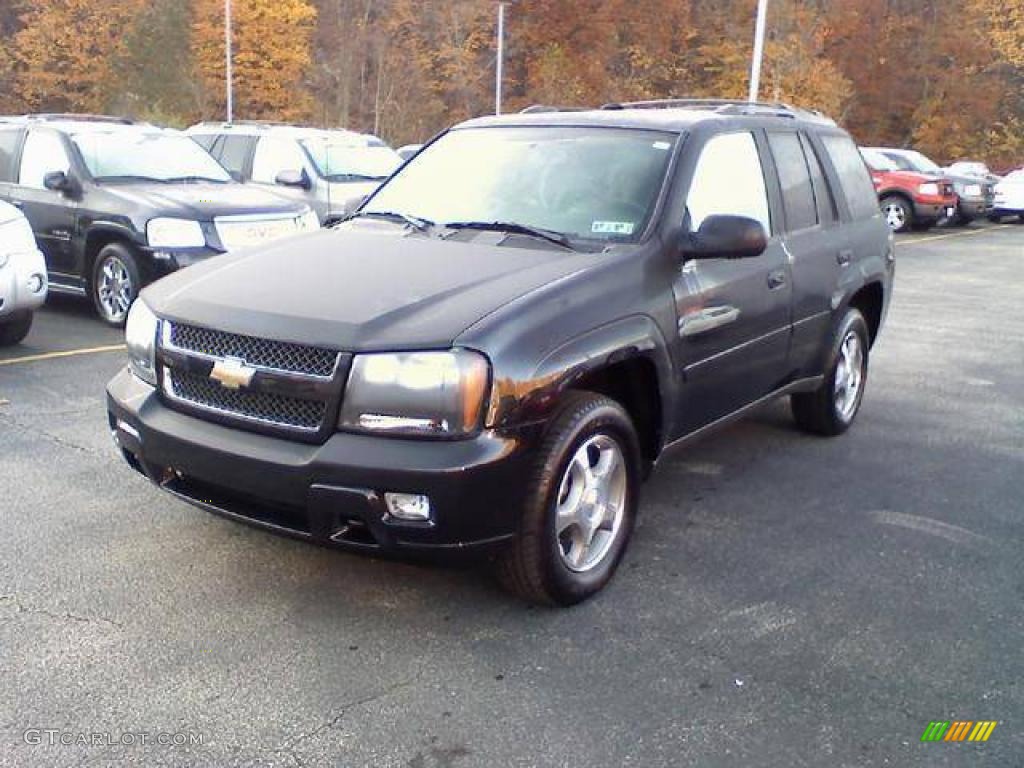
x,y
854,178
8,146
823,196
795,180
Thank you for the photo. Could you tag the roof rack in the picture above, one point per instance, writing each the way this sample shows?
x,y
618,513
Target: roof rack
x,y
80,118
722,106
540,108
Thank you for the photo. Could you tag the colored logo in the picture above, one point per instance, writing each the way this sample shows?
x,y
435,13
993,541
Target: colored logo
x,y
958,730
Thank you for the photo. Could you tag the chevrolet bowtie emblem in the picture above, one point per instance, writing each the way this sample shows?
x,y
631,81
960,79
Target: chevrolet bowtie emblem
x,y
232,373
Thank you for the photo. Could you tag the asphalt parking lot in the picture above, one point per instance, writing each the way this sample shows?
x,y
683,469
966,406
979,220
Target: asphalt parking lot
x,y
787,600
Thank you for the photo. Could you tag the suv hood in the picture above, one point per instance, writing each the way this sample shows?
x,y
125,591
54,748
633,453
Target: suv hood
x,y
202,201
364,287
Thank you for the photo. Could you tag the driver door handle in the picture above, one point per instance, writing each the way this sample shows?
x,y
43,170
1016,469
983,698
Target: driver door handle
x,y
704,320
776,279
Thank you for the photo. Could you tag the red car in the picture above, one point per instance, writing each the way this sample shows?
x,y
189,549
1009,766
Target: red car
x,y
909,199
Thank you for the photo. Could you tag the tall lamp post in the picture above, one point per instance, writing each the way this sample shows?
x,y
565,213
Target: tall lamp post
x,y
499,70
227,59
755,63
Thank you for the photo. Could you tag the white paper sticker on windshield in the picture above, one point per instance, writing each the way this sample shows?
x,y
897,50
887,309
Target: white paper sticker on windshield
x,y
661,145
612,228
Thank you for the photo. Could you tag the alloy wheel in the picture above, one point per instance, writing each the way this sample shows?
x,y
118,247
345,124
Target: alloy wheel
x,y
849,378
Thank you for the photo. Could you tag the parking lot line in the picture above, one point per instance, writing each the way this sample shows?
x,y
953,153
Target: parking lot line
x,y
66,353
932,238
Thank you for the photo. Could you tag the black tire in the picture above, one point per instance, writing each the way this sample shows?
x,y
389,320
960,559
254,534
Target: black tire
x,y
819,412
123,255
15,328
898,213
533,566
995,218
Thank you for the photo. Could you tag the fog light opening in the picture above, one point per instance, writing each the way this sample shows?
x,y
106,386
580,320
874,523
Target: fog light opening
x,y
408,506
36,283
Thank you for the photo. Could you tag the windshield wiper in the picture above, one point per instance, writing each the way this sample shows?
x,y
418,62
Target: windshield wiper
x,y
354,177
515,228
128,177
193,179
416,222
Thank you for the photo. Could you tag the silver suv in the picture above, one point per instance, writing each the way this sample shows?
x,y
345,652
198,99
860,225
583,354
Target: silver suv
x,y
22,275
332,171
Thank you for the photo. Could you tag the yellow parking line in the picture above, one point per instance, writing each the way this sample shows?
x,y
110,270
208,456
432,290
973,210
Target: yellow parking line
x,y
951,234
67,353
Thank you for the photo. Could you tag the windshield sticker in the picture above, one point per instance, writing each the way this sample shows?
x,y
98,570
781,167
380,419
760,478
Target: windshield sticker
x,y
662,145
612,228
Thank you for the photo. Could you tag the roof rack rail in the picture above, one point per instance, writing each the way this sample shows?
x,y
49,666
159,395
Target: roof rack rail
x,y
723,106
540,108
80,118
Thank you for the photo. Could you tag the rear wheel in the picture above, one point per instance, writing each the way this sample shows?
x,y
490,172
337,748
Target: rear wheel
x,y
899,214
15,328
580,506
831,409
116,282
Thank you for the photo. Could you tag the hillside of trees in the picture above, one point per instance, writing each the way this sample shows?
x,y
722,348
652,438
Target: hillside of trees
x,y
946,76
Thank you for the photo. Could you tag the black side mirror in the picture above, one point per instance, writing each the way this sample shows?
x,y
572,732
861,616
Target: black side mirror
x,y
293,179
725,237
58,181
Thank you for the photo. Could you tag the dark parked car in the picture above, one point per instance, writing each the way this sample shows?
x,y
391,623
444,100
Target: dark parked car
x,y
115,205
496,349
974,196
332,171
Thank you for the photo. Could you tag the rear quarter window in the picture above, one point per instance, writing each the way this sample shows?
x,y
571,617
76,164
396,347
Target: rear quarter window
x,y
854,178
8,145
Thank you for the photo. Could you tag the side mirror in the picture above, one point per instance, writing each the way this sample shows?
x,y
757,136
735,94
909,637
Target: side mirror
x,y
725,237
58,181
293,179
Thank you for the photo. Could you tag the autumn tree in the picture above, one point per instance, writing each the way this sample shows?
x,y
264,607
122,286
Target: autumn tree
x,y
271,42
63,52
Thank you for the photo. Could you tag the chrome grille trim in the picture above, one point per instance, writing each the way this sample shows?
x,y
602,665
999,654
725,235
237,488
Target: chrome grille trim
x,y
252,407
264,354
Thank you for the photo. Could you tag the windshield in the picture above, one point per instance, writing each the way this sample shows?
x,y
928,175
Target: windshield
x,y
341,159
597,183
877,161
910,160
156,156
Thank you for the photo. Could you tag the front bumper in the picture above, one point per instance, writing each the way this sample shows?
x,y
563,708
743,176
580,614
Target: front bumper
x,y
934,209
16,279
973,207
331,493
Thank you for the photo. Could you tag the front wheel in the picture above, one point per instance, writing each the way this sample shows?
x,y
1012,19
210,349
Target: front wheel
x,y
831,409
15,328
116,282
898,213
580,505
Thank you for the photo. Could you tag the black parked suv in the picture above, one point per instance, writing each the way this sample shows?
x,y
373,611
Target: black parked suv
x,y
115,204
496,348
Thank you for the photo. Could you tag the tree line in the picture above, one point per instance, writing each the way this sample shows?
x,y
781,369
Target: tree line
x,y
946,76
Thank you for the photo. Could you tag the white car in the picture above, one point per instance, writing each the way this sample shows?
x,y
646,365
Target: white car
x,y
22,275
1009,197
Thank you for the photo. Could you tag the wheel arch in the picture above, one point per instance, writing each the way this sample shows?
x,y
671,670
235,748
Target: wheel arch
x,y
869,300
98,237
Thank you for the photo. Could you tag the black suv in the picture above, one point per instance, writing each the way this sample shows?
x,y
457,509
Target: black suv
x,y
115,204
498,346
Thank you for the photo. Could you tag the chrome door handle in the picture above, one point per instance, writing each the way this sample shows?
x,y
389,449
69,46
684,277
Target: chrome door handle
x,y
704,320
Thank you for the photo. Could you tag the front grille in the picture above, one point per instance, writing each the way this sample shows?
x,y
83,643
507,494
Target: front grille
x,y
263,353
245,231
263,407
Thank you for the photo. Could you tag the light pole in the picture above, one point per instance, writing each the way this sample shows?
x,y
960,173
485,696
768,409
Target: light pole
x,y
227,59
499,70
755,63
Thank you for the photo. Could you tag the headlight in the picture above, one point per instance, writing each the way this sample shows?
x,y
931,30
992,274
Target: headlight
x,y
416,393
308,221
929,188
16,237
140,338
175,233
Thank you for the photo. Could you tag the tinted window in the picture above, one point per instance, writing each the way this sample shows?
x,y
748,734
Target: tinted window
x,y
205,141
233,152
274,155
853,176
43,153
822,192
728,180
8,145
795,180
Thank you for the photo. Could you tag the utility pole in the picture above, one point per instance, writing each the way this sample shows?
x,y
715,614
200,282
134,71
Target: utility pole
x,y
227,59
755,63
500,68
